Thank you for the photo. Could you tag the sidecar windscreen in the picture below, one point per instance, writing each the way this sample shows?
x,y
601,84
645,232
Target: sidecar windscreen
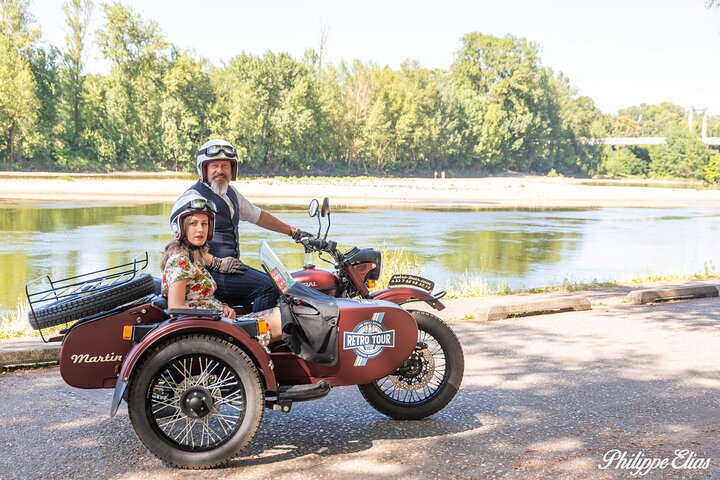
x,y
275,268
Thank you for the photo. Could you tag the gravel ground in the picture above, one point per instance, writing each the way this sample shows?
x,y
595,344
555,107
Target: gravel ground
x,y
542,397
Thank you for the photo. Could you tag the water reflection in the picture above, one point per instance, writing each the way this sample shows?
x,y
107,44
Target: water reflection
x,y
505,252
519,248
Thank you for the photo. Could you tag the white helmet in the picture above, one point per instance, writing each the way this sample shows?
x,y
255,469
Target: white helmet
x,y
192,202
216,149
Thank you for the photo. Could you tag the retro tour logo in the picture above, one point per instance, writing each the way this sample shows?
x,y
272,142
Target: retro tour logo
x,y
369,339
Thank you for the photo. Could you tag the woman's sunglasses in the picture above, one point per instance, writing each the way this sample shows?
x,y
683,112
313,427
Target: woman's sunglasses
x,y
202,204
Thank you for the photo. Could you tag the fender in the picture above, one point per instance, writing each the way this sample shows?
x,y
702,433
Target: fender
x,y
400,295
174,328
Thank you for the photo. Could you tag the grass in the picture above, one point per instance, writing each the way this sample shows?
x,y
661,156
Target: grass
x,y
476,286
397,261
15,323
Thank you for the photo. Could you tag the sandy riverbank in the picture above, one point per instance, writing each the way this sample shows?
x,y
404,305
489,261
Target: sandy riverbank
x,y
491,192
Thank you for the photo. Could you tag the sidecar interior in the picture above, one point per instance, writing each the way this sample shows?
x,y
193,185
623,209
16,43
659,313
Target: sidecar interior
x,y
161,302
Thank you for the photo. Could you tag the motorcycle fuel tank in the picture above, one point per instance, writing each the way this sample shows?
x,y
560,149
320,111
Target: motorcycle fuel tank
x,y
318,279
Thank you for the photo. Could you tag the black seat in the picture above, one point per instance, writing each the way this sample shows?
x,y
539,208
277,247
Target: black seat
x,y
159,301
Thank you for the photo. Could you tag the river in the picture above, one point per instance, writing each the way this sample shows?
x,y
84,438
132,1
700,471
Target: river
x,y
515,248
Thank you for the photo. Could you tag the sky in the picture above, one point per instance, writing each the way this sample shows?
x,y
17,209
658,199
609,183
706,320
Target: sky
x,y
620,53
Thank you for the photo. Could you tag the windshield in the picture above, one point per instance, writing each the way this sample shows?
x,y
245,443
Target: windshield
x,y
275,268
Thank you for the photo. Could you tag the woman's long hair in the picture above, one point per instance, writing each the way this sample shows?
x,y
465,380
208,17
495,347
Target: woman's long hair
x,y
183,247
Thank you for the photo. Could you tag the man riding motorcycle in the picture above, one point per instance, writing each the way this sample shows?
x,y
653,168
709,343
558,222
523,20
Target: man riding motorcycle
x,y
237,284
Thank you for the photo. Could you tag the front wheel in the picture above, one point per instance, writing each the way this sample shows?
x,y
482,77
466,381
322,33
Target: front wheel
x,y
428,380
196,401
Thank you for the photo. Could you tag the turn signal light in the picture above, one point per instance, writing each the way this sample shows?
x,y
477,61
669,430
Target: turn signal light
x,y
262,327
127,332
371,283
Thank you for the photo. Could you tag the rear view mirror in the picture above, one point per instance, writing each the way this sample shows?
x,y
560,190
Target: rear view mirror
x,y
313,208
325,210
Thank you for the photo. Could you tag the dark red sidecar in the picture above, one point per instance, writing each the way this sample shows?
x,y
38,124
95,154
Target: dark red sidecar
x,y
197,384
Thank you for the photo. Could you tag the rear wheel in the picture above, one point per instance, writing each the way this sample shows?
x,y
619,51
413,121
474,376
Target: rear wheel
x,y
196,401
428,380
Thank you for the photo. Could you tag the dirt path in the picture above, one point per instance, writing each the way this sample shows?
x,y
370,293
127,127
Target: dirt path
x,y
491,192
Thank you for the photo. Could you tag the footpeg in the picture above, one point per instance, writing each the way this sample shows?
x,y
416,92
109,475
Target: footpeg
x,y
288,394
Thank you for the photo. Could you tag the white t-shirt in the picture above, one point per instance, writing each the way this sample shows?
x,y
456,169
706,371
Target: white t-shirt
x,y
248,212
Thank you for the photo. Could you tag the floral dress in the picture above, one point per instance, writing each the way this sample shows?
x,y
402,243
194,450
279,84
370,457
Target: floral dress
x,y
200,287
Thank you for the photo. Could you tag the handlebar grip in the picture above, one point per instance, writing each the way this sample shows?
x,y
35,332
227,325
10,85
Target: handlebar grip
x,y
319,243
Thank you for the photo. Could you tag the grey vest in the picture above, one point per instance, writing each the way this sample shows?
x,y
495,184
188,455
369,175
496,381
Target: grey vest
x,y
225,239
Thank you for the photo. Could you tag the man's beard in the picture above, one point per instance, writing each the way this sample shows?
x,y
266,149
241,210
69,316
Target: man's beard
x,y
219,185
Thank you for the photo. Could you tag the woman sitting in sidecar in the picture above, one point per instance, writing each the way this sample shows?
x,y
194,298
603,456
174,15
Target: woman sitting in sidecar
x,y
186,283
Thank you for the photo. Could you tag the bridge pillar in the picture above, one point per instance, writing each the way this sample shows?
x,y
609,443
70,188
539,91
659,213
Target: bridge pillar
x,y
691,114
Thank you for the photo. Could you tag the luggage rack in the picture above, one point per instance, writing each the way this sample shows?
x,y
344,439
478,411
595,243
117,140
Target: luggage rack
x,y
71,288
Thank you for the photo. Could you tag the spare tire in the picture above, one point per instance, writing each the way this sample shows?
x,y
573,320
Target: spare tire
x,y
81,306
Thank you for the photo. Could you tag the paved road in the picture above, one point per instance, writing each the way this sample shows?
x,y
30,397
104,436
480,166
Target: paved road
x,y
543,397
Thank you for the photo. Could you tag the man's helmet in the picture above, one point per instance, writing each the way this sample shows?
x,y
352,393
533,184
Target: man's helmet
x,y
216,149
192,202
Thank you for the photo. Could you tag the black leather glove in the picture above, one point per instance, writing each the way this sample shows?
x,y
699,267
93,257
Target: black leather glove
x,y
228,265
297,234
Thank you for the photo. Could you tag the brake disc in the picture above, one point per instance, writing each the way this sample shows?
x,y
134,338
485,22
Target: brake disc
x,y
419,375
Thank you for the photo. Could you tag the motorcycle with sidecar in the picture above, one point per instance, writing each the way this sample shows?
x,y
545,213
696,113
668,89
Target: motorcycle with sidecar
x,y
196,384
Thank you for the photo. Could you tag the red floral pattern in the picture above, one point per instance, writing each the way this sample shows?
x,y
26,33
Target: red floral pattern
x,y
200,287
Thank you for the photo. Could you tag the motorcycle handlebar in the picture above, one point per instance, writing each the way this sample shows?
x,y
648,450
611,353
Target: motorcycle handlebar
x,y
319,244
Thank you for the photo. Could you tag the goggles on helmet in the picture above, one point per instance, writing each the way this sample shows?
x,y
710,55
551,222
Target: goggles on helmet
x,y
202,204
216,150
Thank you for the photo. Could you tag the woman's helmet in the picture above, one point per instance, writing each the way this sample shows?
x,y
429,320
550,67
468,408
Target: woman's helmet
x,y
191,202
216,149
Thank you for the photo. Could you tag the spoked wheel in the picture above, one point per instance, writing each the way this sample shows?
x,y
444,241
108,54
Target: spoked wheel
x,y
196,401
427,381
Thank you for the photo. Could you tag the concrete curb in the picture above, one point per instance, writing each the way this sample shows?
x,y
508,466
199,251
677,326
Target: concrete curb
x,y
28,351
641,297
533,307
32,350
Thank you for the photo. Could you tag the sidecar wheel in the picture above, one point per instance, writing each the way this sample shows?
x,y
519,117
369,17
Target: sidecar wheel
x,y
427,381
72,308
196,401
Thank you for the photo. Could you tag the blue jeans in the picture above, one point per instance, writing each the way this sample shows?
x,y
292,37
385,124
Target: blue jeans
x,y
253,286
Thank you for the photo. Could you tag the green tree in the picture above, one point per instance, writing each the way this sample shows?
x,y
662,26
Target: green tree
x,y
684,155
18,99
268,106
133,95
711,172
622,162
508,99
653,120
574,126
77,19
187,98
46,68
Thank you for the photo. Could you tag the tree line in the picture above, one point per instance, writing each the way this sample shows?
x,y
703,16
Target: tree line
x,y
496,109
